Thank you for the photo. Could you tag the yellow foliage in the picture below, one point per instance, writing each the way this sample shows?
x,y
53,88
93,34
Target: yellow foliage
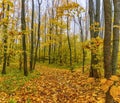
x,y
106,85
91,80
102,100
114,78
70,7
115,91
102,81
116,26
95,27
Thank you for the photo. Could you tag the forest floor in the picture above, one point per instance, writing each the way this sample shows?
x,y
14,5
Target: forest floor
x,y
57,86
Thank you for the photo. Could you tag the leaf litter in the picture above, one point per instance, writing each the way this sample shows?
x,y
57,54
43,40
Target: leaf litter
x,y
60,86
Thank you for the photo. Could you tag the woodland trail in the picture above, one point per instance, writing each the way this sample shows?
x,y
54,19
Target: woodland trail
x,y
59,86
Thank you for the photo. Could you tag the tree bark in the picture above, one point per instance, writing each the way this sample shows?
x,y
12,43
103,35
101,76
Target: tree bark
x,y
115,36
45,36
23,27
68,37
107,39
94,72
107,46
32,30
82,40
38,33
5,37
75,56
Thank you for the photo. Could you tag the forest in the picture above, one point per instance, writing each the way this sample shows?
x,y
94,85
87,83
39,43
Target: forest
x,y
59,51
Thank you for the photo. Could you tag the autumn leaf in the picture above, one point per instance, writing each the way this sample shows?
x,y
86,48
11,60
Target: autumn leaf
x,y
103,81
106,85
114,78
90,80
115,91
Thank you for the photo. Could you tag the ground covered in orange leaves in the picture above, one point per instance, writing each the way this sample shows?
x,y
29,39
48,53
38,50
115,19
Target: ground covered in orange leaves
x,y
57,86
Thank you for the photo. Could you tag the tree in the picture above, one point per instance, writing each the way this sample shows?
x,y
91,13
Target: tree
x,y
51,29
115,35
107,46
102,19
45,30
38,33
94,72
32,30
23,27
87,23
68,37
5,25
75,56
107,39
82,40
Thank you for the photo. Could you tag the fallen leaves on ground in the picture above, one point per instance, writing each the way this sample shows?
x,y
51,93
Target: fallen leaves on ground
x,y
58,86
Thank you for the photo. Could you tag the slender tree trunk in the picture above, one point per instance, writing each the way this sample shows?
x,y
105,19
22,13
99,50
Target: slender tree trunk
x,y
74,41
96,72
93,70
20,62
115,36
82,40
50,38
5,38
53,44
68,37
5,56
97,18
86,24
55,47
91,14
102,19
32,30
50,32
45,37
60,43
38,40
23,27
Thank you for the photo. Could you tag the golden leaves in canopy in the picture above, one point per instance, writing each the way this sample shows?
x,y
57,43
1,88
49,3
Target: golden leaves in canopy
x,y
69,9
62,25
96,27
6,2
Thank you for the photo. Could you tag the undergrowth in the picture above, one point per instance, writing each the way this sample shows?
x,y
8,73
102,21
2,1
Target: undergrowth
x,y
14,79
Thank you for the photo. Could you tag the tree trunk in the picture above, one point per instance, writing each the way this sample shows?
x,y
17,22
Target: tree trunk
x,y
45,37
102,19
69,44
94,72
50,32
109,98
38,33
49,52
107,39
5,38
20,62
115,35
87,21
82,40
32,30
107,46
60,44
23,27
74,41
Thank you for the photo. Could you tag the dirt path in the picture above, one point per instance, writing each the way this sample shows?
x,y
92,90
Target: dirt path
x,y
59,86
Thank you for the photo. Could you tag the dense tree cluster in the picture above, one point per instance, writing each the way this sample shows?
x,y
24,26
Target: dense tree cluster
x,y
61,32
